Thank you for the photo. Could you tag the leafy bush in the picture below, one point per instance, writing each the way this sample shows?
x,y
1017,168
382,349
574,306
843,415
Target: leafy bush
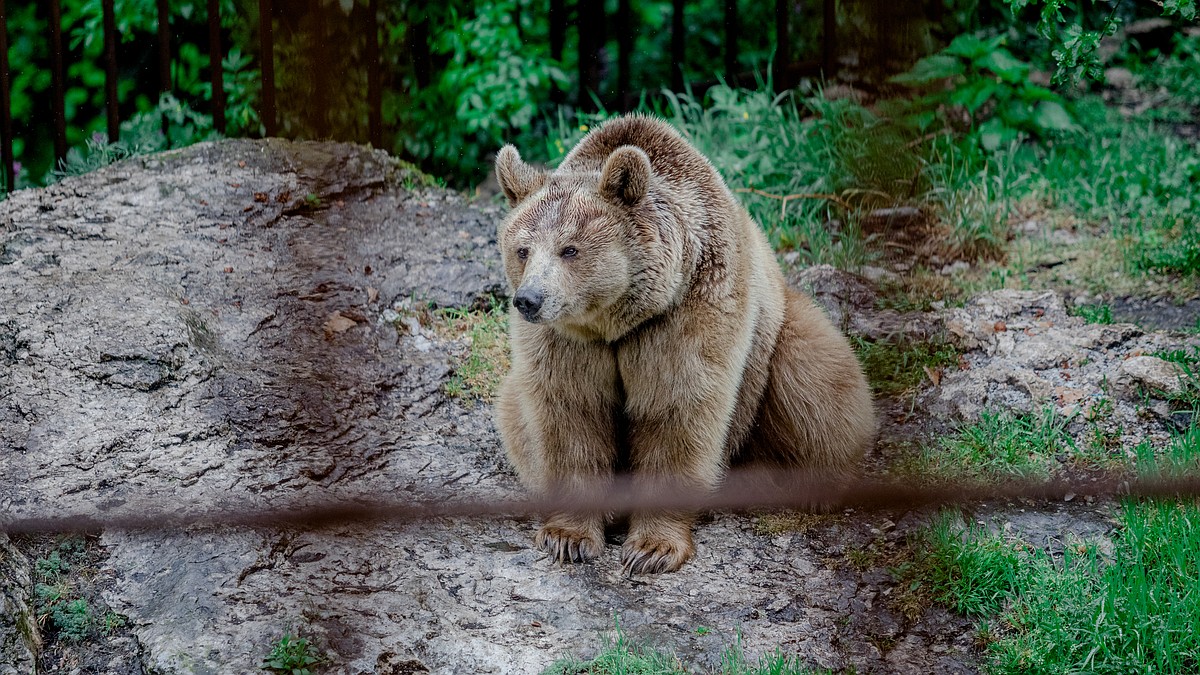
x,y
991,91
492,82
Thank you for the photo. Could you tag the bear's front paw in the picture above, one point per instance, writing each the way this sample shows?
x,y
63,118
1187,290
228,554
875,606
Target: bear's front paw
x,y
571,539
655,553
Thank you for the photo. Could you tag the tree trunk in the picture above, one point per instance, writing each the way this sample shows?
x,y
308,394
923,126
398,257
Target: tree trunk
x,y
731,42
678,45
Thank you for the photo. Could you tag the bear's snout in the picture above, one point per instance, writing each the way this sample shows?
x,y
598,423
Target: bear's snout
x,y
528,302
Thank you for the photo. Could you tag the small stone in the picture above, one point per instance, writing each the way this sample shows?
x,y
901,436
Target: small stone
x,y
1150,373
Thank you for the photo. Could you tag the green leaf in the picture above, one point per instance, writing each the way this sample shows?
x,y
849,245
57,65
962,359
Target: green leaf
x,y
1052,116
975,94
994,133
1004,64
930,68
970,47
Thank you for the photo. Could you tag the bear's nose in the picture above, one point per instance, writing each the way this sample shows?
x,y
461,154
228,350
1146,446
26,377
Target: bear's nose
x,y
528,302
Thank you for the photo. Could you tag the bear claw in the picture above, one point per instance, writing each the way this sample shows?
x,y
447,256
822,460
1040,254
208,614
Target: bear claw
x,y
568,544
645,556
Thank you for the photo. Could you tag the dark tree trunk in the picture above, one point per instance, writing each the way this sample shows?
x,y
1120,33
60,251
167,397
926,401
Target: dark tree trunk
x,y
266,40
624,51
829,44
731,42
374,93
418,47
319,114
217,74
591,42
56,78
783,44
678,45
558,36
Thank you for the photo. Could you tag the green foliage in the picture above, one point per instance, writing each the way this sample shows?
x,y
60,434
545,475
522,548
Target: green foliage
x,y
962,567
993,89
1075,47
1130,611
972,191
141,134
1189,394
1133,614
493,81
898,367
1177,73
1000,445
1100,313
84,91
55,596
291,655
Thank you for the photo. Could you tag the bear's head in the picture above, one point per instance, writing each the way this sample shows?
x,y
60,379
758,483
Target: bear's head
x,y
589,253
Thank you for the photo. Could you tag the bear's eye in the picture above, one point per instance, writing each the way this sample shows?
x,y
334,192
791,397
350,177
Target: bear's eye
x,y
522,253
569,252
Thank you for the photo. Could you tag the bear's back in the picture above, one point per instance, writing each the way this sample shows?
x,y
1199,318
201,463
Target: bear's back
x,y
672,158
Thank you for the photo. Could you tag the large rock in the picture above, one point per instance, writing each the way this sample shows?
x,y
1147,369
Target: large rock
x,y
1023,353
205,329
19,634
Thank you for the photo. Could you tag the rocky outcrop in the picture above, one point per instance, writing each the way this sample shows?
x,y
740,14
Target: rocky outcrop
x,y
217,328
19,635
231,326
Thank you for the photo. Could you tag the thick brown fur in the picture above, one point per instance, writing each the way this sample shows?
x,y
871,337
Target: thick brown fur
x,y
655,333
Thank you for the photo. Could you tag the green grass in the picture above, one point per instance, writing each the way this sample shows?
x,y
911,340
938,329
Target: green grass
x,y
963,568
1100,313
291,655
480,368
1131,610
1189,361
896,368
621,656
1000,445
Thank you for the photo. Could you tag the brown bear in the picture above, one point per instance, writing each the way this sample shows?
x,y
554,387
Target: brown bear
x,y
652,330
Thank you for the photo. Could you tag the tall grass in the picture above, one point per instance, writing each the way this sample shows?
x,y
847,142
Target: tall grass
x,y
1132,610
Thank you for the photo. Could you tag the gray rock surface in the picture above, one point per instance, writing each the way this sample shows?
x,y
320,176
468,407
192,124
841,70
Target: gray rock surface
x,y
216,328
1024,353
19,635
231,326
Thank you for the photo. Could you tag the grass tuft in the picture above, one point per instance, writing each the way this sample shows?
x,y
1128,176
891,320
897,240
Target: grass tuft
x,y
485,360
897,368
1129,611
1000,445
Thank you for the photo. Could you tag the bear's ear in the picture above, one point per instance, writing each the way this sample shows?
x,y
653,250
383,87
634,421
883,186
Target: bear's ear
x,y
625,178
517,179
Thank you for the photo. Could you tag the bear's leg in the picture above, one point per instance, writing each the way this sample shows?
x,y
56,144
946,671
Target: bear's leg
x,y
557,415
816,414
680,389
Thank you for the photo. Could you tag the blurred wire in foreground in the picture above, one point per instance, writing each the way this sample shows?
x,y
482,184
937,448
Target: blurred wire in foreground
x,y
741,491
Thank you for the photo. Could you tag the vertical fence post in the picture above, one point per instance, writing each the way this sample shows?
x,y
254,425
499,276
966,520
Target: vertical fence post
x,y
216,70
624,52
731,42
783,44
374,95
678,45
6,137
829,46
164,61
266,41
110,70
56,77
